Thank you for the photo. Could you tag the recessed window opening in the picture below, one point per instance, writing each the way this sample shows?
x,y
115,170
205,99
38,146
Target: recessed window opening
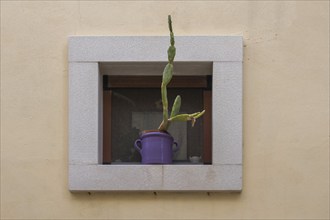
x,y
132,103
91,59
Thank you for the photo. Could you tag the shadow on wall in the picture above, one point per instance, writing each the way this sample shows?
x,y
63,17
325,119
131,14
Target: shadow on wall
x,y
138,196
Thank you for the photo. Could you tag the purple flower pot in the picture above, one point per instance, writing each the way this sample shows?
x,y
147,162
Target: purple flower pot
x,y
156,147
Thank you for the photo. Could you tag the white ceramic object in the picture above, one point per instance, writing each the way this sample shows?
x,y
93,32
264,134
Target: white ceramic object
x,y
195,159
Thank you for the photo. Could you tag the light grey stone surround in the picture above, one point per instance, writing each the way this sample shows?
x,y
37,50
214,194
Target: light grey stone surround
x,y
86,173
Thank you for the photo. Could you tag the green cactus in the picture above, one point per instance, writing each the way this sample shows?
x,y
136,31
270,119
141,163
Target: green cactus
x,y
167,76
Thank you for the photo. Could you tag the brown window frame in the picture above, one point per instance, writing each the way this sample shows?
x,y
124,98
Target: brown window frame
x,y
182,82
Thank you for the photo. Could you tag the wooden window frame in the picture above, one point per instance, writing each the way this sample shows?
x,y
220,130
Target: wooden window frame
x,y
179,82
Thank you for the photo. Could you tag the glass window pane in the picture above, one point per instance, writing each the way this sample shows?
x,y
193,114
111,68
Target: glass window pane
x,y
135,110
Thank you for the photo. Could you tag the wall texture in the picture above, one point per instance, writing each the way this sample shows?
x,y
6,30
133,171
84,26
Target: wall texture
x,y
286,107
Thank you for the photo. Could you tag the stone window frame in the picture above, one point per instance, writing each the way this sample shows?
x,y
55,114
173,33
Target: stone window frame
x,y
86,171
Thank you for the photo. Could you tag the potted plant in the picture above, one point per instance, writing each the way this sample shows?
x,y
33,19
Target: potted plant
x,y
155,146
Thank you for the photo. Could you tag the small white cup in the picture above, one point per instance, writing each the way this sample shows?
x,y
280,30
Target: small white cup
x,y
195,159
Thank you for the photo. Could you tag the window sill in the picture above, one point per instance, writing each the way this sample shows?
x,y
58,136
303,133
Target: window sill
x,y
155,177
175,163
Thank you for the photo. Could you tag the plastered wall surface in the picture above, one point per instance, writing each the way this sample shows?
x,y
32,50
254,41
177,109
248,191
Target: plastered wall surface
x,y
286,107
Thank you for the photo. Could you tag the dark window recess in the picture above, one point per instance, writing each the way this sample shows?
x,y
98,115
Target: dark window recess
x,y
133,103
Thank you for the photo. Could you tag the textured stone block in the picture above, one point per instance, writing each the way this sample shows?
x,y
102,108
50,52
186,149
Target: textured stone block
x,y
115,177
227,113
155,178
202,177
139,49
83,113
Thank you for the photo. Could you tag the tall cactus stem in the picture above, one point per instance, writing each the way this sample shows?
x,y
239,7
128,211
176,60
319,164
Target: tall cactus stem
x,y
167,76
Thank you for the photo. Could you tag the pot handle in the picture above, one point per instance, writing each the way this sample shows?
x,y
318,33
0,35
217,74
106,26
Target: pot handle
x,y
176,146
136,145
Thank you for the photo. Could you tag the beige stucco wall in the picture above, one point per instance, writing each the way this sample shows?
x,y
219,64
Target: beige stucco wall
x,y
286,106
